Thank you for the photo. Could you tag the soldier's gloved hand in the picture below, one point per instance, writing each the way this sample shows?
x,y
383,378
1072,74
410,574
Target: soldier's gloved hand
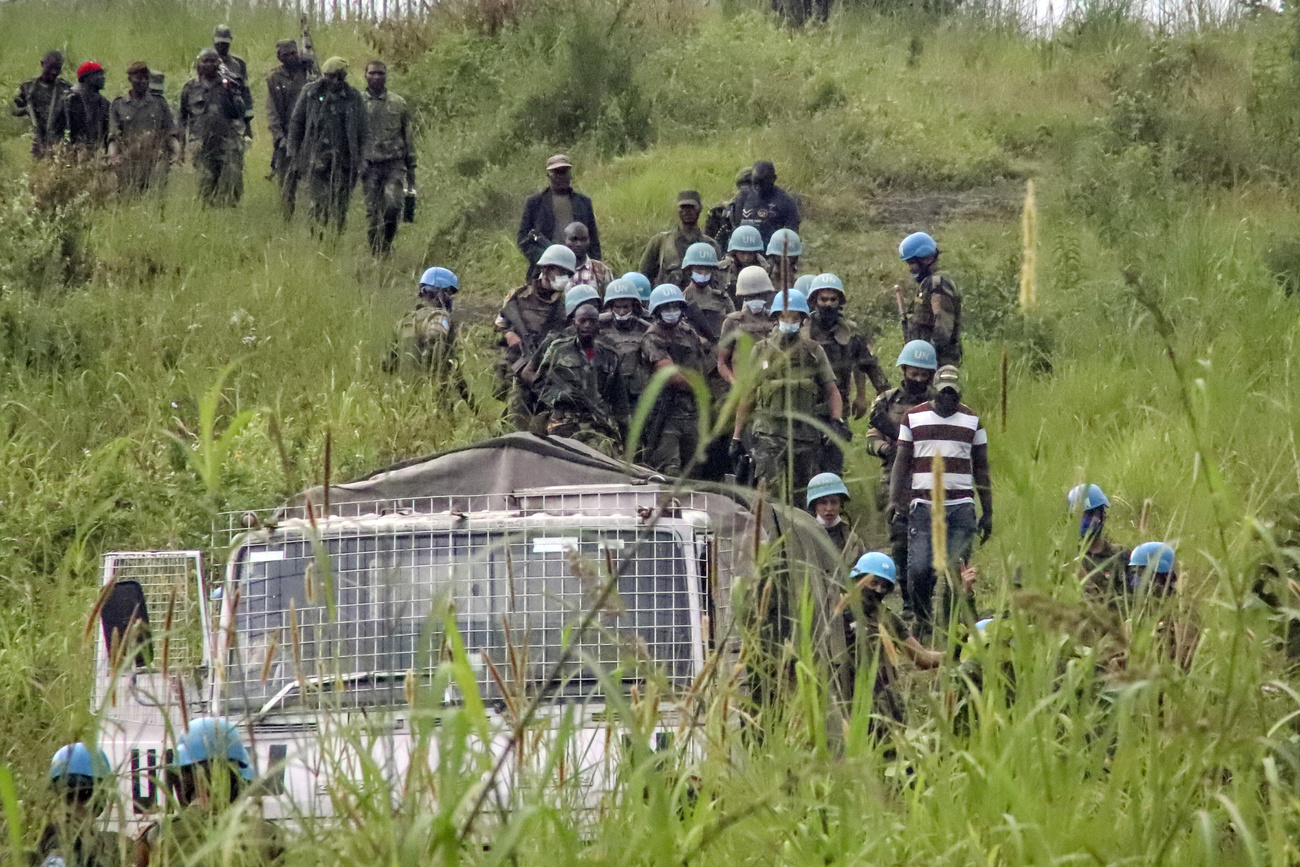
x,y
859,407
985,526
887,450
736,451
841,429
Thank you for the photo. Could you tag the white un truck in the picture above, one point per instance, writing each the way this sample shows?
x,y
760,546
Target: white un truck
x,y
552,573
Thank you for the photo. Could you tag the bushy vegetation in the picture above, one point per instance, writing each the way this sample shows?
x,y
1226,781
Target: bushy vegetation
x,y
160,363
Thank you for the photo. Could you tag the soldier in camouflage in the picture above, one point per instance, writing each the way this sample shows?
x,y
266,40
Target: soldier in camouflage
x,y
623,327
745,248
529,316
934,313
848,346
672,436
662,260
327,139
795,380
212,118
724,219
283,85
707,306
234,68
917,363
142,136
40,100
426,337
754,292
580,386
389,158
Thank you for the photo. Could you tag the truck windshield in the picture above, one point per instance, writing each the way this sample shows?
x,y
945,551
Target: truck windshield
x,y
514,597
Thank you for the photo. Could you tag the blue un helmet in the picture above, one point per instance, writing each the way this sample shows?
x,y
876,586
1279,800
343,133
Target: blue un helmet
x,y
798,302
917,245
1088,496
827,281
665,293
785,242
746,239
803,283
877,564
918,353
1156,556
578,296
700,255
210,738
642,283
1153,561
824,485
621,289
440,278
77,766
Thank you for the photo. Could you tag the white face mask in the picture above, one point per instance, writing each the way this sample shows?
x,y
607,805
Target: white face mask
x,y
623,317
788,327
671,317
700,278
561,282
828,524
756,306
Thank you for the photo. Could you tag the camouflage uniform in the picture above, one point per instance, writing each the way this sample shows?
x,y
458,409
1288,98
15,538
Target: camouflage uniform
x,y
942,331
585,397
534,319
389,165
212,114
846,541
848,346
41,103
863,628
327,135
74,842
885,417
282,89
723,219
792,379
425,340
142,129
1104,574
235,68
175,842
672,434
662,260
730,269
626,341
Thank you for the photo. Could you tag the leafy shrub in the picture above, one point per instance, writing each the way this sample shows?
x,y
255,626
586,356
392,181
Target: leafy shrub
x,y
41,238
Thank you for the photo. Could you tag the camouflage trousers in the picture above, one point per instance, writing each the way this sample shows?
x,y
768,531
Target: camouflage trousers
x,y
221,173
329,184
384,187
786,465
670,447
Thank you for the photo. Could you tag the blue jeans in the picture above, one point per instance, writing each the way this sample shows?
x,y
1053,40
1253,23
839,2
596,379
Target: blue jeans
x,y
921,578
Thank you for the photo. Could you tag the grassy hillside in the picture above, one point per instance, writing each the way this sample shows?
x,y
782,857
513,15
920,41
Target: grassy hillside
x,y
1166,229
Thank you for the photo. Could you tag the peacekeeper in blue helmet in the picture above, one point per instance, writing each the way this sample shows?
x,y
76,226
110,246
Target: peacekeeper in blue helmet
x,y
744,248
934,313
75,837
827,496
868,623
622,325
425,338
1103,565
211,772
672,438
794,389
1153,584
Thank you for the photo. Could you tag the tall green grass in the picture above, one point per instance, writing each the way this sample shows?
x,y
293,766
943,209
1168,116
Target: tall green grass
x,y
1162,173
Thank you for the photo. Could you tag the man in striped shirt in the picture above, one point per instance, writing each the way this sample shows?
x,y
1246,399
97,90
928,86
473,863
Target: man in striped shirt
x,y
942,428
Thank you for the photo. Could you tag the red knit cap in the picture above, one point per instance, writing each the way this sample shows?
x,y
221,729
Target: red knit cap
x,y
88,67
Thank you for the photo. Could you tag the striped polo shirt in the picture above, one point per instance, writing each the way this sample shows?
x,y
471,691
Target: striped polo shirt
x,y
953,438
